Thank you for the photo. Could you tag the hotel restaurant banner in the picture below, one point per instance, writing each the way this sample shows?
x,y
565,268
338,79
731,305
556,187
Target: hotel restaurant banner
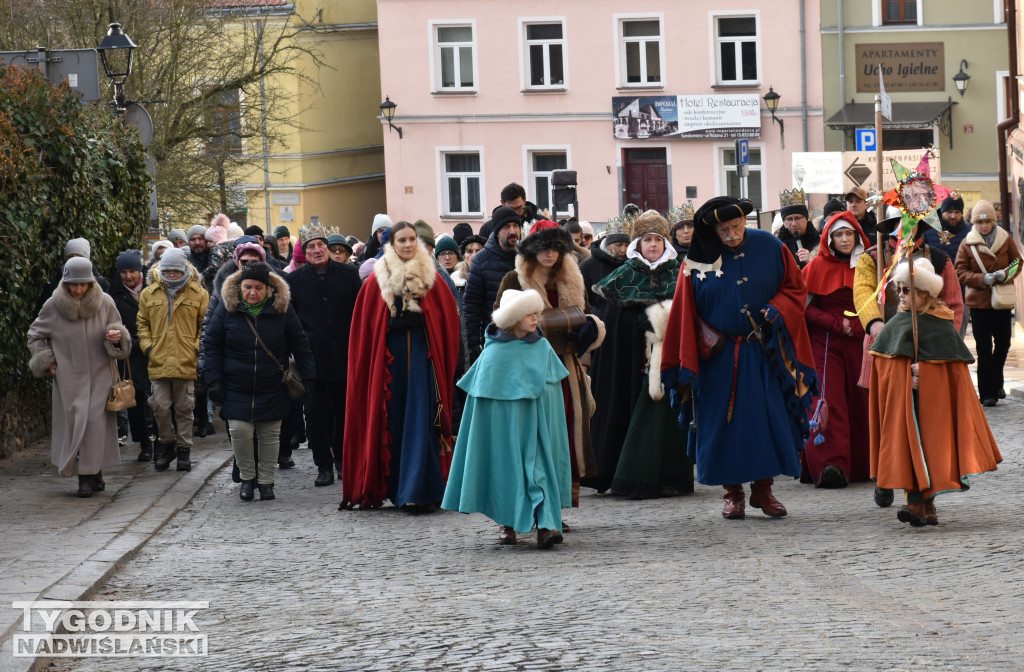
x,y
696,117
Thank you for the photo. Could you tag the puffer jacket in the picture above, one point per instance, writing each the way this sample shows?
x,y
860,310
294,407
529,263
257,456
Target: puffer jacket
x,y
171,342
933,238
1001,255
485,274
233,358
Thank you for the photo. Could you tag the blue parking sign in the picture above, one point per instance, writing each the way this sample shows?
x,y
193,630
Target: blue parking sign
x,y
867,141
742,152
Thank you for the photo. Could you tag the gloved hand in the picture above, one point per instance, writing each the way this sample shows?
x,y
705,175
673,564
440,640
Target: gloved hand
x,y
407,321
583,337
989,279
216,393
1000,275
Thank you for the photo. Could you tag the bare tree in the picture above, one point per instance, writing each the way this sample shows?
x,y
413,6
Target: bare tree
x,y
224,70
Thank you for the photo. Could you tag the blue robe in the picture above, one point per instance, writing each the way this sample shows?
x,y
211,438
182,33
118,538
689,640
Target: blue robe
x,y
765,434
511,460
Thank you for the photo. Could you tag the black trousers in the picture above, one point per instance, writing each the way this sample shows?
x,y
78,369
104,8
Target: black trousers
x,y
325,422
992,341
137,418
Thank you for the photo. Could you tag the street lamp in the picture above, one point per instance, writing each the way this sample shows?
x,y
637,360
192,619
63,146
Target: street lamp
x,y
961,78
116,53
387,108
771,101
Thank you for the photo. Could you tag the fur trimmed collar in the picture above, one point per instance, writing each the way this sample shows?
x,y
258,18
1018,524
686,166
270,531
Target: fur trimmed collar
x,y
975,238
568,282
282,295
71,308
410,280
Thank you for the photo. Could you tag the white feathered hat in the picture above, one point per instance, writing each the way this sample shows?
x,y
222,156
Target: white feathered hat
x,y
925,277
516,305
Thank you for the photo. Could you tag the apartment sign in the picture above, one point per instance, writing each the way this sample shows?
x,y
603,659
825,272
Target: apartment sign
x,y
692,117
915,66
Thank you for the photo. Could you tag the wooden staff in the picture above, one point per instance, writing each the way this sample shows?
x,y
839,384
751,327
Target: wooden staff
x,y
880,208
913,294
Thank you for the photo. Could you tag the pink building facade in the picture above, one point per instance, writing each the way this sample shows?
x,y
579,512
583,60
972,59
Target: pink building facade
x,y
644,101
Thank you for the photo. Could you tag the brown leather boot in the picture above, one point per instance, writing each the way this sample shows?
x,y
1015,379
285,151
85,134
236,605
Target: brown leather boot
x,y
548,538
930,517
506,535
761,497
98,484
85,485
913,513
735,502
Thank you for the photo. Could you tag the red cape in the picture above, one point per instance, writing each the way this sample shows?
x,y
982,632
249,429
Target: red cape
x,y
827,273
367,454
679,359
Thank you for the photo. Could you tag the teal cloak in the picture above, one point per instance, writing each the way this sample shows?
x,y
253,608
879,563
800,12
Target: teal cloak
x,y
511,460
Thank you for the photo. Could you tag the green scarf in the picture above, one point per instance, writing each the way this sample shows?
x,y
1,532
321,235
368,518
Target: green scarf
x,y
255,308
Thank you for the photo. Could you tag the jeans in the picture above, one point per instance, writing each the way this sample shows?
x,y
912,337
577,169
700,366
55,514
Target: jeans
x,y
269,435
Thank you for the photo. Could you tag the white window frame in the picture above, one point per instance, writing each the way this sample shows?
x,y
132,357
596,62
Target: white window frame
x,y
435,57
1002,76
531,174
876,15
444,208
715,41
722,169
997,12
524,54
620,50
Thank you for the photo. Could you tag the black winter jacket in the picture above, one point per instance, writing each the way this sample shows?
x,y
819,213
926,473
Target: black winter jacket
x,y
596,268
809,241
128,307
325,303
251,381
489,266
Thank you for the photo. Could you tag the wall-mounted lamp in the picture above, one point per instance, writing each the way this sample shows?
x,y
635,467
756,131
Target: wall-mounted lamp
x,y
771,101
961,78
387,108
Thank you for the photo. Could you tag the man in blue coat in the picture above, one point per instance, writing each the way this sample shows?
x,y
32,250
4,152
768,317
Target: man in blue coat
x,y
324,296
954,230
489,266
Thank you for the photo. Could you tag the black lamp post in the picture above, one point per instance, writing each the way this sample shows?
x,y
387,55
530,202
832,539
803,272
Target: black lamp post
x,y
116,53
961,78
387,108
771,101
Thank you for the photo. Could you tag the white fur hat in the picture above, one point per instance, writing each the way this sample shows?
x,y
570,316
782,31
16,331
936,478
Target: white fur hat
x,y
925,277
516,305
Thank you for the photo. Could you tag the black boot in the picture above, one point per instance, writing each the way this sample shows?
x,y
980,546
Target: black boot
x,y
245,492
266,491
85,486
145,450
184,464
98,484
163,455
284,458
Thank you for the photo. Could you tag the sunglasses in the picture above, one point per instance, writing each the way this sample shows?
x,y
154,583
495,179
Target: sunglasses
x,y
903,291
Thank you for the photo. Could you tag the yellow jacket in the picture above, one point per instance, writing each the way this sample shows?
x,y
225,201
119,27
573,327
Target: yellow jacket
x,y
172,341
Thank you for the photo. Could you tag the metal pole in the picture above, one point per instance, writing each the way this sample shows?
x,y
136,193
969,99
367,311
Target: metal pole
x,y
880,209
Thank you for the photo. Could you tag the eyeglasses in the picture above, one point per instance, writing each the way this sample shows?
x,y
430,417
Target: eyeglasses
x,y
903,291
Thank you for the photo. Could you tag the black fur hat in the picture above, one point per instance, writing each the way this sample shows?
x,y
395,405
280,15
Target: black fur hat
x,y
545,235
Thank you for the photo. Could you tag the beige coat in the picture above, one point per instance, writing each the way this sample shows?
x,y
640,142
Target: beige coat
x,y
172,342
72,334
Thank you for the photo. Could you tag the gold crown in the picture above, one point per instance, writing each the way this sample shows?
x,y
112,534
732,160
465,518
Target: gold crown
x,y
681,213
311,231
792,197
618,225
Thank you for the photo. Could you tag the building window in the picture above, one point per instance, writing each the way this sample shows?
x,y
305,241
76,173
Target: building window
x,y
908,139
642,52
895,12
733,186
737,45
542,164
224,120
462,178
545,55
455,58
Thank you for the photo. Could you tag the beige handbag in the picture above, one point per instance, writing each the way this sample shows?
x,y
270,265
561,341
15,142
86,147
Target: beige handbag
x,y
1004,297
122,392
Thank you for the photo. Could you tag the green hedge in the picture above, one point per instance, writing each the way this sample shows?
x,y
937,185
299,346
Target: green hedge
x,y
67,170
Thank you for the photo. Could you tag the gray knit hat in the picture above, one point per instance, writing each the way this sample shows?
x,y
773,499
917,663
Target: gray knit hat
x,y
197,230
177,234
174,260
77,269
79,246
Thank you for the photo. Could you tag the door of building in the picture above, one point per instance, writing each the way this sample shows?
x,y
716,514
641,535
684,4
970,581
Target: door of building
x,y
646,178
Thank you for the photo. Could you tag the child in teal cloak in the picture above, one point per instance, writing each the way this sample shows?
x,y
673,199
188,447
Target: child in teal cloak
x,y
511,460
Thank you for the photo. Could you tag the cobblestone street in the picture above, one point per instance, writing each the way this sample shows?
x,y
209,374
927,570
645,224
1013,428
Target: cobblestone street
x,y
654,585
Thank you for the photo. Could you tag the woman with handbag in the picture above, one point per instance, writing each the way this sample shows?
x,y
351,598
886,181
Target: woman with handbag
x,y
74,338
545,262
246,344
401,359
982,265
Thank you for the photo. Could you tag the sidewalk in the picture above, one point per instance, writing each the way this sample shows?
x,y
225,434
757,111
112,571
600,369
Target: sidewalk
x,y
56,546
1013,372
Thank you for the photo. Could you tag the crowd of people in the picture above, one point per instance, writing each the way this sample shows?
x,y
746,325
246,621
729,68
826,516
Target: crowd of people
x,y
498,371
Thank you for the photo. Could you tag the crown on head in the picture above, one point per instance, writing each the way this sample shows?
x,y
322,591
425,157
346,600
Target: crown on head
x,y
618,225
681,213
792,197
313,230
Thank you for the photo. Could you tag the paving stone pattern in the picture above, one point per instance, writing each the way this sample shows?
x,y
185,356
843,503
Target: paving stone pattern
x,y
295,584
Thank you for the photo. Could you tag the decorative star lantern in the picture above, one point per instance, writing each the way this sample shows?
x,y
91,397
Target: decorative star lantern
x,y
916,195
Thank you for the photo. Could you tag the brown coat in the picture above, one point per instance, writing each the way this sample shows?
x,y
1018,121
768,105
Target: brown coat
x,y
970,274
72,334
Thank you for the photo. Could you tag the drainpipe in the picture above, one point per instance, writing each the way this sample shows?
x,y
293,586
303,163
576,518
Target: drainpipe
x,y
263,122
803,73
842,64
1004,127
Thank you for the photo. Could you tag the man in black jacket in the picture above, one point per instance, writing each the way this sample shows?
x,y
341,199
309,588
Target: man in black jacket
x,y
324,296
489,266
